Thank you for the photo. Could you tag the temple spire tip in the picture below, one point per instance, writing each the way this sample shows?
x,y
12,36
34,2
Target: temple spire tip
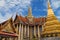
x,y
29,11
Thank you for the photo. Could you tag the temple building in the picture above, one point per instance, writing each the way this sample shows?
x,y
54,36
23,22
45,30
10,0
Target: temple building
x,y
31,28
22,28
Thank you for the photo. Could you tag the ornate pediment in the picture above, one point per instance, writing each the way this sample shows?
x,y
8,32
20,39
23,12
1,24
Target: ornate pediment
x,y
8,27
30,19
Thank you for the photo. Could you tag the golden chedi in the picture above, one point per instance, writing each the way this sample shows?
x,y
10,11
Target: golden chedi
x,y
51,28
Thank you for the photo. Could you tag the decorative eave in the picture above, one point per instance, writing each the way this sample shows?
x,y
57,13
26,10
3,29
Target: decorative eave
x,y
6,34
37,21
3,24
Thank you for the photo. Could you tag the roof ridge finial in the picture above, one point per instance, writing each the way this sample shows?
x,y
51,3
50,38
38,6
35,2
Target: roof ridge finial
x,y
48,0
29,11
49,4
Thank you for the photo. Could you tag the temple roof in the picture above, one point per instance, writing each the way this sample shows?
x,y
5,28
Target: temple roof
x,y
36,21
5,25
29,19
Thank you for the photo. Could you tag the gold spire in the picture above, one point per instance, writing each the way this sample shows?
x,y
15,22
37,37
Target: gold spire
x,y
52,24
30,11
49,7
50,11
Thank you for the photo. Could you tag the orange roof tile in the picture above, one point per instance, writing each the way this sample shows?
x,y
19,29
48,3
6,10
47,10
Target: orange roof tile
x,y
35,20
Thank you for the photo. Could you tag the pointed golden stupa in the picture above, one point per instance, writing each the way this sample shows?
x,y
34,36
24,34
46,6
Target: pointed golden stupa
x,y
52,24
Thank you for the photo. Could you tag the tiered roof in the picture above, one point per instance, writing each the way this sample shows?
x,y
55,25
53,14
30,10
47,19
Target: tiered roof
x,y
29,19
4,29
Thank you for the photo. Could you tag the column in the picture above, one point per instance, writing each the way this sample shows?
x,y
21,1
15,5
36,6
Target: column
x,y
45,35
9,38
30,33
17,28
25,32
38,32
22,32
35,31
19,32
53,35
0,38
42,28
49,35
3,38
58,34
16,38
